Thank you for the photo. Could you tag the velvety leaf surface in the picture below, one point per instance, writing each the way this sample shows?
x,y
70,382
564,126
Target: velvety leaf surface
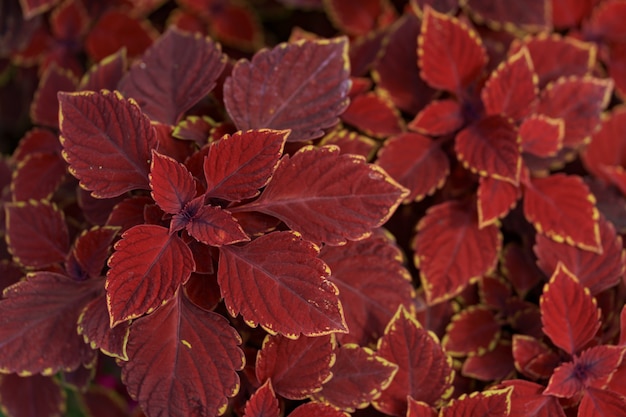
x,y
280,266
541,135
211,225
306,88
147,267
42,311
32,396
562,208
171,182
93,325
38,176
36,233
296,367
527,399
237,166
424,370
102,132
373,281
165,91
91,250
439,117
450,54
373,114
569,313
44,109
472,331
452,228
263,402
329,197
182,361
358,377
488,403
600,403
106,74
416,162
533,15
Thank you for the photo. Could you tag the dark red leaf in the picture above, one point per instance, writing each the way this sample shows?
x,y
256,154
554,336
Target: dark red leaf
x,y
489,403
31,396
69,21
443,6
307,83
567,13
439,117
364,52
419,409
165,91
36,140
237,166
38,176
495,199
237,24
263,402
527,399
518,266
617,66
541,135
351,142
607,147
473,331
93,325
129,212
164,351
43,311
451,54
91,250
171,182
374,114
493,365
10,273
490,147
297,368
283,265
99,401
606,22
215,226
96,210
564,382
104,133
452,228
147,268
602,403
36,235
569,313
562,208
533,358
44,109
195,128
32,8
424,370
358,19
359,375
317,410
106,74
329,197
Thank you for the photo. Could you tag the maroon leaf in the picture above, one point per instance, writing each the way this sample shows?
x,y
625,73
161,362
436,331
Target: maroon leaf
x,y
306,88
533,15
263,402
102,132
605,22
37,235
37,140
237,166
472,331
31,396
318,410
601,403
106,74
44,109
527,399
358,19
147,268
541,135
493,365
214,226
164,350
329,197
91,250
38,176
283,266
351,142
129,212
165,91
69,21
374,114
93,325
495,200
43,311
488,403
569,313
419,409
171,182
533,358
607,147
297,368
31,8
439,117
99,401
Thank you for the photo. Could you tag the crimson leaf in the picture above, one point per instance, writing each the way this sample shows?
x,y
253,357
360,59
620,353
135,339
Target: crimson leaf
x,y
171,182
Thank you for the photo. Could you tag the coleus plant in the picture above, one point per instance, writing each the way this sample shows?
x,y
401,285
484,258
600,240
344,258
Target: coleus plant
x,y
200,236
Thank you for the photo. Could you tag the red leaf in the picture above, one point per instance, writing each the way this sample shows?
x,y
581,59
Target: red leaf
x,y
44,109
147,268
357,19
328,197
237,166
562,208
490,147
106,74
37,235
608,146
569,313
541,135
533,358
419,409
91,250
171,182
195,128
452,228
416,162
374,114
306,88
237,25
424,370
439,117
129,212
297,368
36,140
43,311
567,13
564,382
494,365
511,89
451,55
518,266
103,133
527,400
165,91
606,22
214,226
351,142
99,401
69,21
495,199
358,376
317,410
474,330
32,8
489,403
31,396
251,277
602,403
164,350
93,325
533,15
38,176
371,280
263,402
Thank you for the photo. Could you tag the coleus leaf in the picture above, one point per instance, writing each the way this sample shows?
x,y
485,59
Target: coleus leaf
x,y
94,326
493,365
91,250
41,311
209,224
263,403
351,142
106,74
373,114
307,83
103,132
358,20
562,208
533,16
600,403
165,91
472,331
489,403
605,22
31,396
32,8
419,409
69,21
283,265
44,109
452,228
297,368
337,197
607,147
495,199
318,410
567,13
527,399
569,313
358,377
424,370
38,176
439,117
450,54
164,350
533,358
171,182
100,401
146,269
542,135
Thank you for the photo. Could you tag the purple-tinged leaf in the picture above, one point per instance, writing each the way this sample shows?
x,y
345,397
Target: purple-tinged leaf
x,y
171,182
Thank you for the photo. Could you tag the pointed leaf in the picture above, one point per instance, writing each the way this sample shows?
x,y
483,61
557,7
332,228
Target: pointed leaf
x,y
489,403
451,55
533,358
533,15
44,109
527,400
297,368
237,166
358,19
69,21
495,200
419,409
424,370
439,117
263,402
216,227
147,267
472,331
106,74
329,197
602,403
91,250
283,265
165,350
103,133
374,114
569,313
171,182
38,176
93,325
165,91
452,228
31,396
306,86
542,135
